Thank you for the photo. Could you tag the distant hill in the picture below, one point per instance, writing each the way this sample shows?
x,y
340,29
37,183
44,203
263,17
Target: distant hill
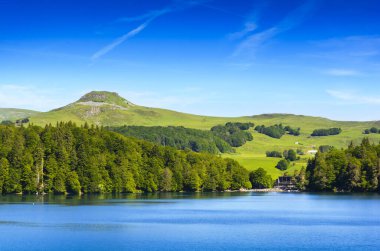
x,y
13,114
110,109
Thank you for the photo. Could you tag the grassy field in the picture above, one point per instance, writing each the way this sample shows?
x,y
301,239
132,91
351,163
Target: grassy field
x,y
14,114
251,155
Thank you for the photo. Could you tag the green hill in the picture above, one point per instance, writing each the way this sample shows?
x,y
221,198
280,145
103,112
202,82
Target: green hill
x,y
13,114
109,109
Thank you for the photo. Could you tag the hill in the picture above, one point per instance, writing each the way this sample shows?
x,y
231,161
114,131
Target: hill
x,y
14,114
109,109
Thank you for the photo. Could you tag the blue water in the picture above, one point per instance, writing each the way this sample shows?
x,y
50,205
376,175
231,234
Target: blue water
x,y
214,221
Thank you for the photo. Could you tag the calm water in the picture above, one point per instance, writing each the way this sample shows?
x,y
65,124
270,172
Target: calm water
x,y
225,221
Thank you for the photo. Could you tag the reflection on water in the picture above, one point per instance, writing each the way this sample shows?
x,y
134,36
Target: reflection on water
x,y
188,221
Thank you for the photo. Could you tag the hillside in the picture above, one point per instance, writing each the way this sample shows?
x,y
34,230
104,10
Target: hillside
x,y
14,114
109,109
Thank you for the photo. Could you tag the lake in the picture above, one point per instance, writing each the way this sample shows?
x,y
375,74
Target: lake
x,y
197,221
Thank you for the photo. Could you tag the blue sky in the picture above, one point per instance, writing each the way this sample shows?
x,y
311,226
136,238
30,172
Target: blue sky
x,y
222,58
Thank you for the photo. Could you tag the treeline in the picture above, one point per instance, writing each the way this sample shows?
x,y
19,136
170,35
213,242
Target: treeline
x,y
178,137
356,169
326,132
274,154
235,134
371,130
288,154
70,159
277,131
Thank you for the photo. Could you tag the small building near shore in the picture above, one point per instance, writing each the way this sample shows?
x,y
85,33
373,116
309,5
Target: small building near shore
x,y
285,183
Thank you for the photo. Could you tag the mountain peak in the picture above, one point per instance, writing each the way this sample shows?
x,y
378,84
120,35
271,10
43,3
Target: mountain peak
x,y
104,97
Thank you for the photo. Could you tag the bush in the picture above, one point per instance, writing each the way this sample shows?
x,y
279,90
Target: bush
x,y
326,132
274,154
283,164
325,148
290,155
371,130
277,131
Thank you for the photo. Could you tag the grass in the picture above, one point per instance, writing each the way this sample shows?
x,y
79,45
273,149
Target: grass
x,y
14,114
251,155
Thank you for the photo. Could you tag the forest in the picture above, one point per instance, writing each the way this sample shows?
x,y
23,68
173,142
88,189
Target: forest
x,y
235,134
66,158
355,169
178,137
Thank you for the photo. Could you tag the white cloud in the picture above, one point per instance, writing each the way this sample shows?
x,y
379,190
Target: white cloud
x,y
354,98
342,72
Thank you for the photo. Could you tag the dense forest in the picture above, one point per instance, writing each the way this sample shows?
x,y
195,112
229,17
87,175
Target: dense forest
x,y
326,132
235,134
277,131
177,136
355,169
70,159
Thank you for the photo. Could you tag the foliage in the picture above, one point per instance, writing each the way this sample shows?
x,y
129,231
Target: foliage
x,y
260,179
293,131
71,159
326,132
299,179
177,137
274,154
7,122
234,134
283,164
371,130
324,148
354,169
277,131
290,155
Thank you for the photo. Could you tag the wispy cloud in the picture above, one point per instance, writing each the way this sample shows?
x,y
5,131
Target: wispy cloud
x,y
353,48
342,72
353,97
248,28
253,42
120,40
29,97
147,18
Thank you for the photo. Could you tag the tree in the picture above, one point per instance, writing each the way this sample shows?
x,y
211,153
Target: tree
x,y
72,183
282,165
300,179
4,175
88,159
166,180
260,179
274,154
290,155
